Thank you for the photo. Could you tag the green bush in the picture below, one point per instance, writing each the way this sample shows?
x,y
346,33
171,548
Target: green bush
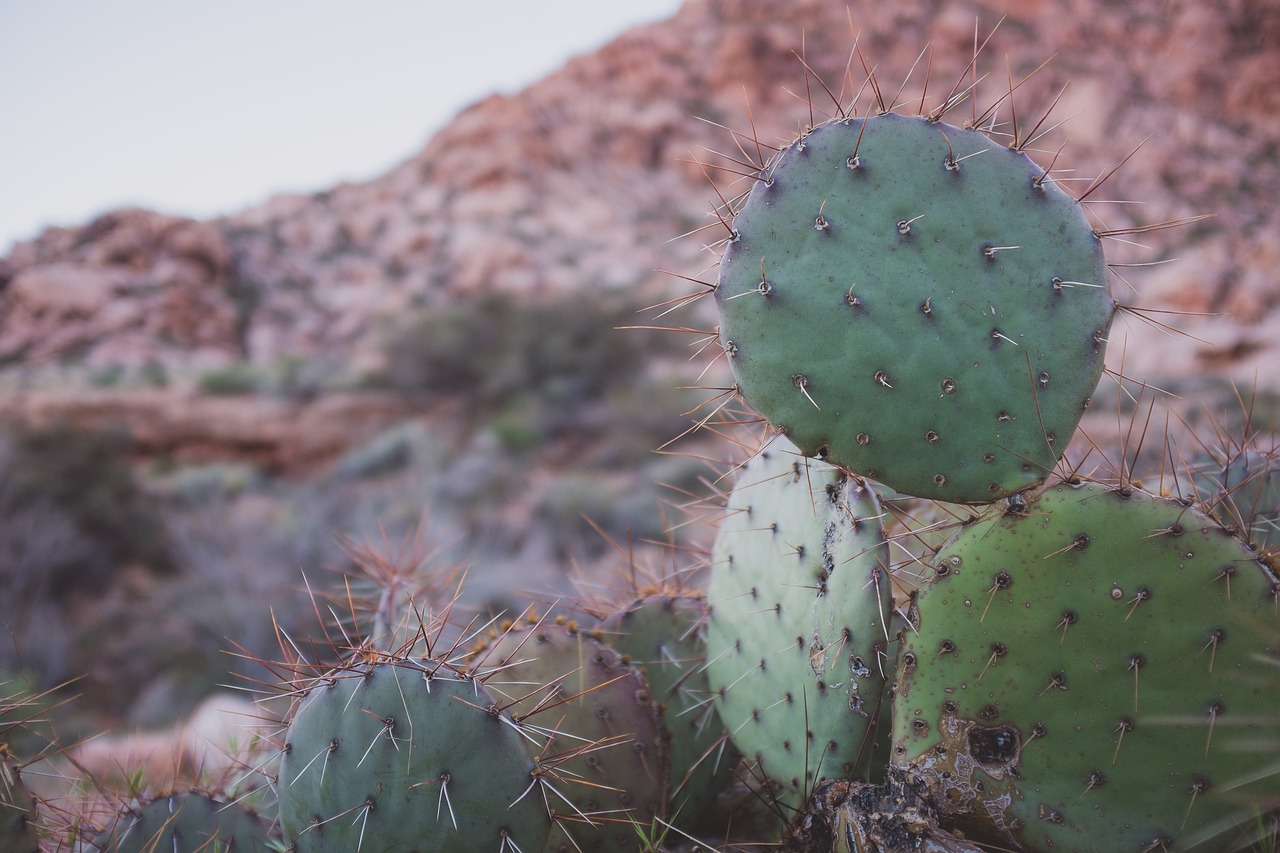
x,y
238,378
72,516
566,351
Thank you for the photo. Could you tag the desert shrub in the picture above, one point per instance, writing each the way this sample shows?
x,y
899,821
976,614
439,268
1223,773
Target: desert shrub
x,y
576,503
85,478
189,485
238,378
390,450
565,351
71,516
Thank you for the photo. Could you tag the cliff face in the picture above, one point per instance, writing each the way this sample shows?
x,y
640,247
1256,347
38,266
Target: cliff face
x,y
579,183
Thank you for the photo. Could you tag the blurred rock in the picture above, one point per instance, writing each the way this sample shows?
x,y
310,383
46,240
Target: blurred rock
x,y
579,183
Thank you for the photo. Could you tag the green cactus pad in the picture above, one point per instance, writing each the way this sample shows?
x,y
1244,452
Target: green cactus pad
x,y
17,810
404,756
1249,498
188,822
797,639
664,636
1090,673
605,737
915,301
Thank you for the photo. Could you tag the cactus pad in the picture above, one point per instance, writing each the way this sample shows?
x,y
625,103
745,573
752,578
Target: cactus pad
x,y
17,810
188,822
605,737
797,638
406,756
1091,668
917,302
663,635
1250,497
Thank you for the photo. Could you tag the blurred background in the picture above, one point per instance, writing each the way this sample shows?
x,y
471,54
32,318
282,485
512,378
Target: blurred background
x,y
282,278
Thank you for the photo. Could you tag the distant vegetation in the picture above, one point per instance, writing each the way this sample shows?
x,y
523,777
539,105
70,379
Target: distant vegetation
x,y
140,572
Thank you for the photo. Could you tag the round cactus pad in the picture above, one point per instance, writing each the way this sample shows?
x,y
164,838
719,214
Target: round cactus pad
x,y
605,736
407,756
186,821
1095,673
918,303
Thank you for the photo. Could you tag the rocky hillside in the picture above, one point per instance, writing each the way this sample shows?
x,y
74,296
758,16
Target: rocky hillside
x,y
276,341
578,183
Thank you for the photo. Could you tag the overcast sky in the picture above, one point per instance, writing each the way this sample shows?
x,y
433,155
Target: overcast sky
x,y
204,108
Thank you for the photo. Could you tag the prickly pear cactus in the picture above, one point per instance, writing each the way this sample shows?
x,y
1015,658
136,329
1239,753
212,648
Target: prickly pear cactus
x,y
1086,673
1249,497
188,822
17,809
664,636
407,755
917,302
797,643
605,737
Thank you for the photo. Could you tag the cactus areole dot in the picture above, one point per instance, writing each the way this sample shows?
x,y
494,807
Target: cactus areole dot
x,y
933,217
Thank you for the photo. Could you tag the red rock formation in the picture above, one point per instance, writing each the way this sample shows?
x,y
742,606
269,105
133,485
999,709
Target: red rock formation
x,y
579,182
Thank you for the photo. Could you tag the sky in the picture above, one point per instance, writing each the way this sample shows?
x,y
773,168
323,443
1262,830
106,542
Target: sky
x,y
204,108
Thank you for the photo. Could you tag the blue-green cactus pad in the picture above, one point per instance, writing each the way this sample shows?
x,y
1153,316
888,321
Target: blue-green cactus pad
x,y
918,303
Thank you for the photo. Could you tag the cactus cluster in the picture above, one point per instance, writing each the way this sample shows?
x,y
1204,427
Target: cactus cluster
x,y
918,310
533,735
918,627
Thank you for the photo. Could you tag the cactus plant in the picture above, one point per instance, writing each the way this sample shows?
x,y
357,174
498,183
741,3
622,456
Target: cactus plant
x,y
1248,497
797,639
186,822
406,755
917,304
1074,670
663,635
17,809
604,732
